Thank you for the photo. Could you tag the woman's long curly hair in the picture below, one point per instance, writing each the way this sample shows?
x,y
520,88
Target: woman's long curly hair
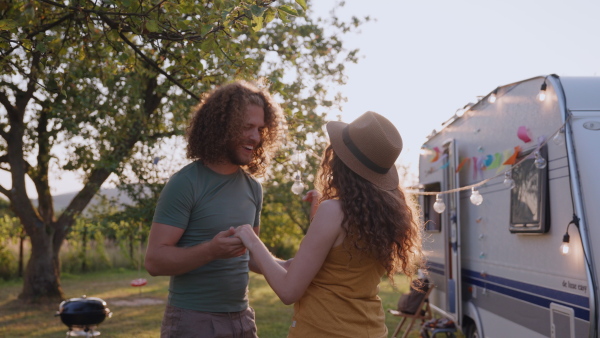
x,y
382,224
218,123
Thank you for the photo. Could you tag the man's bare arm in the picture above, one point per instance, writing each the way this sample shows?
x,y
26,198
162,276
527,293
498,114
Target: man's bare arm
x,y
164,258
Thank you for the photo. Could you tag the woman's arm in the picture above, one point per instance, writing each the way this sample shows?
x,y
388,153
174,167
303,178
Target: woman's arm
x,y
254,267
324,233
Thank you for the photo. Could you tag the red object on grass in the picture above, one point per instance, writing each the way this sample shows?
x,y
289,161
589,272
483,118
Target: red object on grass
x,y
139,282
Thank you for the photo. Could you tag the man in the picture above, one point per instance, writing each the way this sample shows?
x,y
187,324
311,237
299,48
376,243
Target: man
x,y
232,134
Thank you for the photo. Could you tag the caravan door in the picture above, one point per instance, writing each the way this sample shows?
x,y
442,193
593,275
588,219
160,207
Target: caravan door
x,y
442,243
451,218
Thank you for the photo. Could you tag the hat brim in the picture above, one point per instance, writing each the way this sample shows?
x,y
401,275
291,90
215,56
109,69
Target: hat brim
x,y
387,181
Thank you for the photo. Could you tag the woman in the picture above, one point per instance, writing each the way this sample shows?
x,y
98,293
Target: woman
x,y
363,228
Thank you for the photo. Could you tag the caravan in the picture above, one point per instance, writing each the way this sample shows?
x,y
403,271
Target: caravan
x,y
510,193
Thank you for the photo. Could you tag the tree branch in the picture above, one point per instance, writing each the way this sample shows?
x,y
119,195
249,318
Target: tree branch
x,y
93,11
157,67
40,176
41,29
4,191
122,148
10,109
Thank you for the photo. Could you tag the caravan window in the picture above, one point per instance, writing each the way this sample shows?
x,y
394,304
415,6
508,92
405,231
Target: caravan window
x,y
432,220
529,198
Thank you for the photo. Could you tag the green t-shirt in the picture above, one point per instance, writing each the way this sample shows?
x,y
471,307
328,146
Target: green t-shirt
x,y
205,203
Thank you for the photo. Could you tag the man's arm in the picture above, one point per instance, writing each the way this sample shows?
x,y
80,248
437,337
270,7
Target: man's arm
x,y
164,258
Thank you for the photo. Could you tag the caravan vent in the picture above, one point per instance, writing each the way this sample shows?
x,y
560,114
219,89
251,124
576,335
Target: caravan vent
x,y
562,323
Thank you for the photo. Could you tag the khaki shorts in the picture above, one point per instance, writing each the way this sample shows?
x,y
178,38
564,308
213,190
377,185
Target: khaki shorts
x,y
184,323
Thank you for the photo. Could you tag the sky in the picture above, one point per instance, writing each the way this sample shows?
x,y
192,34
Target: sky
x,y
423,60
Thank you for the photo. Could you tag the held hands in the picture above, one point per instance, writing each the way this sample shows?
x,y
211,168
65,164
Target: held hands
x,y
247,235
226,245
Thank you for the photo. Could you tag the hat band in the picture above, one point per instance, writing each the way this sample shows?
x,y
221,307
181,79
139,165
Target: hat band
x,y
359,155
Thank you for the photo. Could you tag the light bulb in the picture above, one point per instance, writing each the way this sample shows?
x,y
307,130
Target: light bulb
x,y
540,162
439,206
297,187
476,197
564,248
542,95
492,98
508,181
558,138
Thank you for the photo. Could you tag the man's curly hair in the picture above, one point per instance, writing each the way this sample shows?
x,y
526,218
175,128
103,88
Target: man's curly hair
x,y
218,122
380,223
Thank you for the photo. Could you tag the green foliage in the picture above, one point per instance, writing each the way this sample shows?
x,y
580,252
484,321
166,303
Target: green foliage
x,y
7,263
87,251
86,86
10,232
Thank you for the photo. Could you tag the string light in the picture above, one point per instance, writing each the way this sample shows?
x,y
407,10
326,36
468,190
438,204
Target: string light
x,y
492,98
476,197
540,162
439,206
508,181
564,247
558,137
542,94
298,186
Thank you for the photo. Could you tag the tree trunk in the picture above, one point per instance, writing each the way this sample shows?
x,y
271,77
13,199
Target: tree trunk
x,y
84,249
42,274
21,240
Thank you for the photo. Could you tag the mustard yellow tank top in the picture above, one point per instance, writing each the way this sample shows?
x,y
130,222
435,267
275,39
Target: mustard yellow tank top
x,y
342,299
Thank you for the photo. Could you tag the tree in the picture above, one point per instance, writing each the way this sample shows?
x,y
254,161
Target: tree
x,y
86,85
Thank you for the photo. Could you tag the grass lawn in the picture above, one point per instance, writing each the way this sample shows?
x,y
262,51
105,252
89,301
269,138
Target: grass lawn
x,y
134,315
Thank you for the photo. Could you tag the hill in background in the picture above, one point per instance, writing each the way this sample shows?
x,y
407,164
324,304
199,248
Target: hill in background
x,y
62,201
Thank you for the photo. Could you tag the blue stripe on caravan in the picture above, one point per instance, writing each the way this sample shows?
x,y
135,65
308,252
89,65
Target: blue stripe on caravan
x,y
580,313
530,293
435,268
540,290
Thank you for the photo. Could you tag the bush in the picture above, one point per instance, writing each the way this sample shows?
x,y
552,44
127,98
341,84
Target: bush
x,y
8,263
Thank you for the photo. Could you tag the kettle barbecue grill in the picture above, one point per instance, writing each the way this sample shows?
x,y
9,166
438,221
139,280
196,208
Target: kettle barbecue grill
x,y
83,315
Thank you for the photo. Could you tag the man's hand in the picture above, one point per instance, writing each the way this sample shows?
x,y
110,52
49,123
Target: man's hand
x,y
226,245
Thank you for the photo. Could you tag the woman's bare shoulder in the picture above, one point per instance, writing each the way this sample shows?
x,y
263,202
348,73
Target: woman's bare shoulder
x,y
330,210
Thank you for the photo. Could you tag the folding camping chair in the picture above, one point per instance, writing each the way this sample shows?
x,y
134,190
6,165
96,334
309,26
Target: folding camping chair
x,y
422,311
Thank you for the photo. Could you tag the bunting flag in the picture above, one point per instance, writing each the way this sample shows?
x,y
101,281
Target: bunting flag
x,y
513,159
486,162
437,154
445,161
462,164
497,161
524,134
489,159
476,167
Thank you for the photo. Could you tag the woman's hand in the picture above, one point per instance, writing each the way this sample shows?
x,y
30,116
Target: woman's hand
x,y
247,235
313,197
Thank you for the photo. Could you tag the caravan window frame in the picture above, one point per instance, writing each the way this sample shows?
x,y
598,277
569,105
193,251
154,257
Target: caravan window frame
x,y
524,175
431,219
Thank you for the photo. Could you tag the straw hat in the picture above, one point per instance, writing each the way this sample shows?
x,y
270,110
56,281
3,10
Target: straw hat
x,y
369,146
